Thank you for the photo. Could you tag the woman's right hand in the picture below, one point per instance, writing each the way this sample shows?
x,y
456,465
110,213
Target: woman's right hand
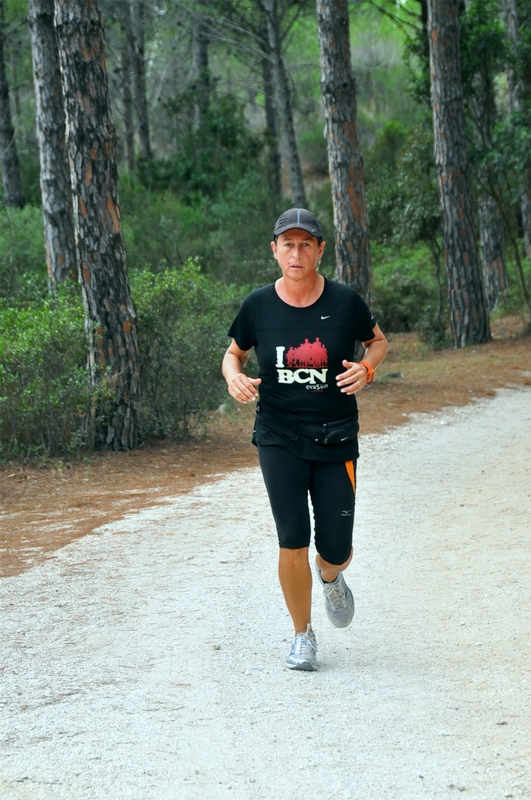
x,y
242,388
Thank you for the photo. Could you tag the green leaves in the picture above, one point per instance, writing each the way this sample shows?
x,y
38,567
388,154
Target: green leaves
x,y
183,318
218,152
44,390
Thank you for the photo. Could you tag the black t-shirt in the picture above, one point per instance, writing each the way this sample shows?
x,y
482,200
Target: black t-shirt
x,y
299,352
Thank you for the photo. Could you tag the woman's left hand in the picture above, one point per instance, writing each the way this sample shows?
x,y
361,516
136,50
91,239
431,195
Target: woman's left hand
x,y
354,379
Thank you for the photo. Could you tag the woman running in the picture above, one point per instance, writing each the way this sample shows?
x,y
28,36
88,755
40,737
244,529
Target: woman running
x,y
304,329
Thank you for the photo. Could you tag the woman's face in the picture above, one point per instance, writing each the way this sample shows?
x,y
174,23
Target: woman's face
x,y
297,253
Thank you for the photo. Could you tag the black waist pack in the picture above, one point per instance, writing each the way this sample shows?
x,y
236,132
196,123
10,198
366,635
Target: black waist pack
x,y
337,432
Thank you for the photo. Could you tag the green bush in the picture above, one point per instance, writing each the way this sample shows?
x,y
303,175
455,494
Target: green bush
x,y
210,156
21,247
44,391
405,292
183,318
229,236
431,330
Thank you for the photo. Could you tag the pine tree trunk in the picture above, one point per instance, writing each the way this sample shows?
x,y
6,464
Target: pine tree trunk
x,y
139,68
55,174
110,314
338,88
468,308
526,214
271,118
482,104
126,64
517,15
285,107
492,248
12,181
200,76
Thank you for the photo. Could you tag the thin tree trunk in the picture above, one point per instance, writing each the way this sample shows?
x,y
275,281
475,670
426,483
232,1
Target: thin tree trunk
x,y
55,174
15,90
200,75
525,204
512,234
139,67
482,105
271,118
11,177
126,63
338,88
492,248
285,107
110,314
468,308
517,14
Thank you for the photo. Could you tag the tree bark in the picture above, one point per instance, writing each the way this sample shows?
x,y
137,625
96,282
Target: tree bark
x,y
468,309
517,15
338,88
200,75
482,107
11,177
126,64
139,67
492,248
271,118
50,119
285,107
110,315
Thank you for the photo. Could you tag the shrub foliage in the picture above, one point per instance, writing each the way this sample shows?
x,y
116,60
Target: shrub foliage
x,y
44,393
183,317
45,396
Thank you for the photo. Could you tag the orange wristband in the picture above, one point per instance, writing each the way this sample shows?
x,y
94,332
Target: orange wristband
x,y
370,370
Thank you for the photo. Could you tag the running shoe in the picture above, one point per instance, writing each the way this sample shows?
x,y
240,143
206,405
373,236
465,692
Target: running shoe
x,y
303,654
339,602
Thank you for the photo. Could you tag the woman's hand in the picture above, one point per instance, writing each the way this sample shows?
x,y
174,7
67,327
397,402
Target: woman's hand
x,y
242,388
354,379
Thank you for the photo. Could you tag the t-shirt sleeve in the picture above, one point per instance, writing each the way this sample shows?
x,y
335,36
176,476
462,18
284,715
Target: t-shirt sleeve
x,y
364,321
240,330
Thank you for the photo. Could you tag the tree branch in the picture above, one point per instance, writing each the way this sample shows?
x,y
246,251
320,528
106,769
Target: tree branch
x,y
399,22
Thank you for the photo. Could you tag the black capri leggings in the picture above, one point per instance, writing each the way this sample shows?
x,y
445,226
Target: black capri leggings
x,y
332,487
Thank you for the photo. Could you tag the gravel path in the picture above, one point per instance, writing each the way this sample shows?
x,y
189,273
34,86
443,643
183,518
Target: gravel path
x,y
145,661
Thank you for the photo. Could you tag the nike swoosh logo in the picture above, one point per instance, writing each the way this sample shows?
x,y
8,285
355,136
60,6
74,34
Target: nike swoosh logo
x,y
328,317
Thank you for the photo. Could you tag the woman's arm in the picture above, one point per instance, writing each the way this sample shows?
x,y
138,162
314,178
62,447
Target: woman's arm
x,y
240,386
356,375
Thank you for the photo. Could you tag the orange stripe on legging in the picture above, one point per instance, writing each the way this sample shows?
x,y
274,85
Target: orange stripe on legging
x,y
352,474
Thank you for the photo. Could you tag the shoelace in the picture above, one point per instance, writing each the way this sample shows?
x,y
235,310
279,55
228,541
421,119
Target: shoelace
x,y
335,592
304,644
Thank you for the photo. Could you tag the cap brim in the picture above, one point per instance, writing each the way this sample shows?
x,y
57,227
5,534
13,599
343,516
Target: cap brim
x,y
293,226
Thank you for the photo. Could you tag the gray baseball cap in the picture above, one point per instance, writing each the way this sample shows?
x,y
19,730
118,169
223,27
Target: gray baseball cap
x,y
298,218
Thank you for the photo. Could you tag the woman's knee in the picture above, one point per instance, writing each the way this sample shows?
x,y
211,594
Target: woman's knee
x,y
335,560
293,556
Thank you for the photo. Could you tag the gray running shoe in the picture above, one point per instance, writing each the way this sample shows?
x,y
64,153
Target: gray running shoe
x,y
303,654
339,602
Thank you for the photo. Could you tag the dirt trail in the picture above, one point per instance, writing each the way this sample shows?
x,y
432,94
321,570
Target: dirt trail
x,y
144,661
